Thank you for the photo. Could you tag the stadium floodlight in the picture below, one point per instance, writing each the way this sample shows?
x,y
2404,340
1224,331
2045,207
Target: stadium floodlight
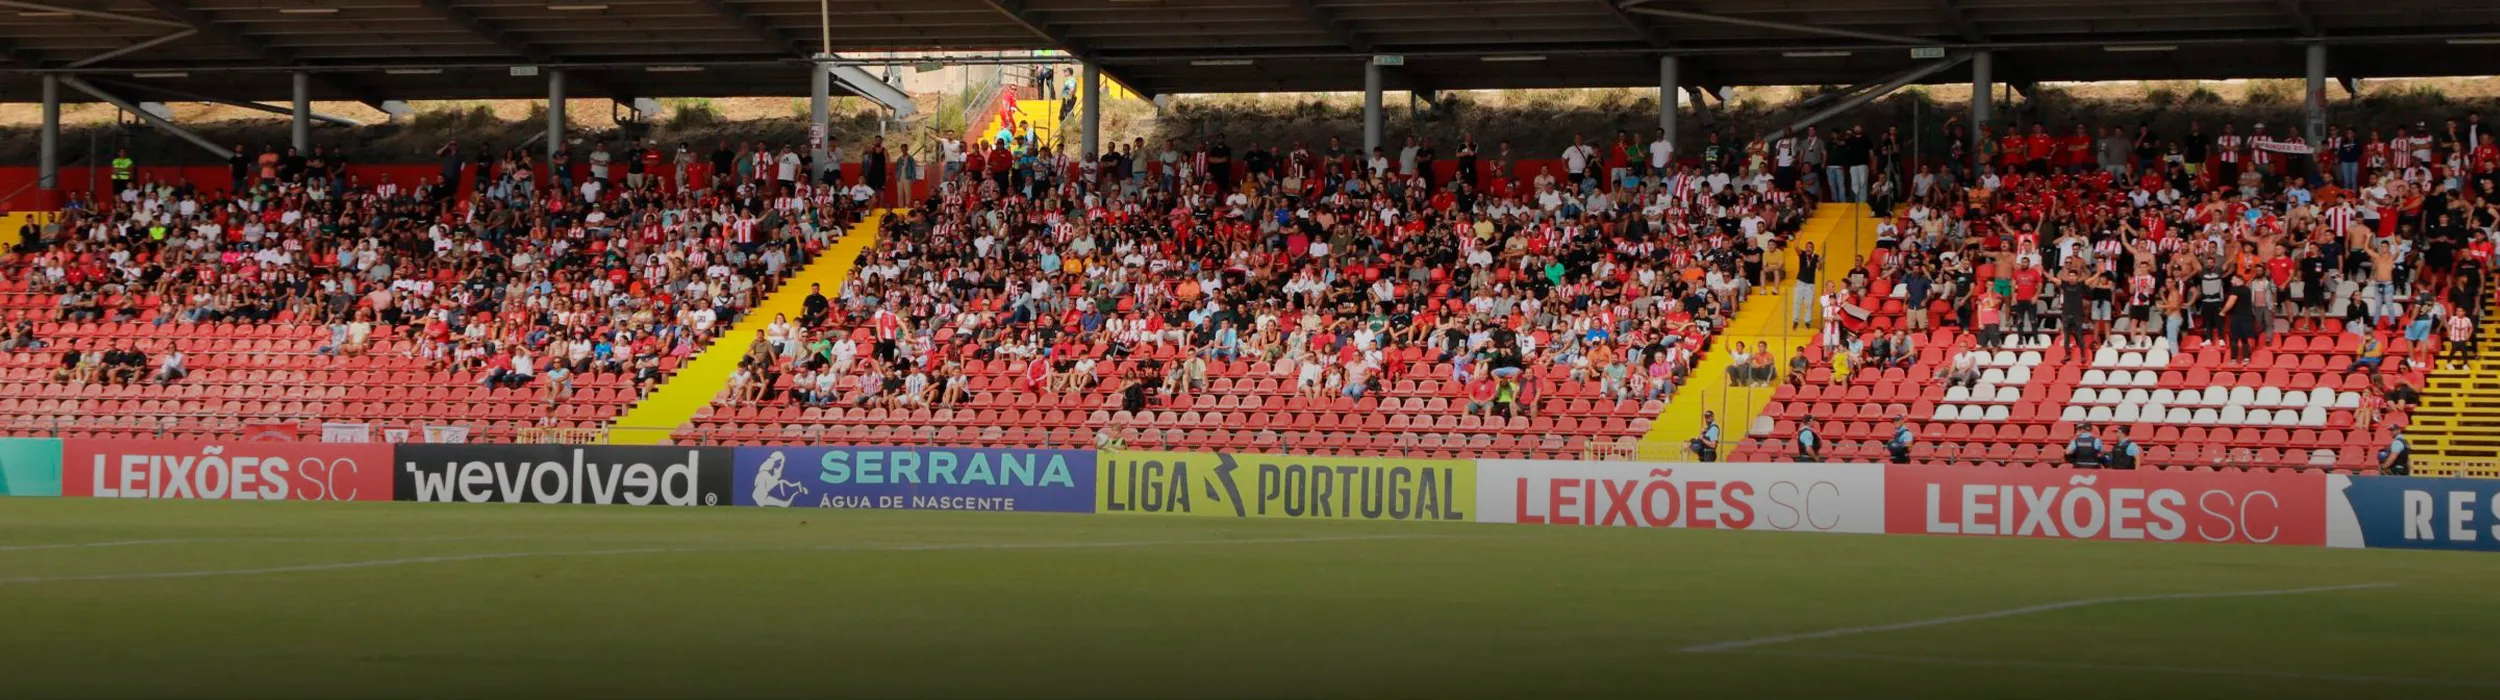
x,y
1511,59
576,6
1221,62
161,75
414,71
308,10
672,69
2139,48
2475,41
1816,54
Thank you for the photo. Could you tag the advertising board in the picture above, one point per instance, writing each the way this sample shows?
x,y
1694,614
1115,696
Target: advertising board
x,y
916,478
242,470
30,467
2250,507
1799,497
1234,485
2413,513
602,474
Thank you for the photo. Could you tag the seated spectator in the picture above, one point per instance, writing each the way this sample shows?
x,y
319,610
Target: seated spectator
x,y
170,368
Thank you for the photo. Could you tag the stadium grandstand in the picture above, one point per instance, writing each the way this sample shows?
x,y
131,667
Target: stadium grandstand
x,y
2241,295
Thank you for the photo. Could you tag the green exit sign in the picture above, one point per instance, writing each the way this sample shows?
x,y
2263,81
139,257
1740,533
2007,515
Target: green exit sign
x,y
1927,52
1388,60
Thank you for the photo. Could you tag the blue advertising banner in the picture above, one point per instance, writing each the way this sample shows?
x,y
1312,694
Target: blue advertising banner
x,y
915,478
2395,511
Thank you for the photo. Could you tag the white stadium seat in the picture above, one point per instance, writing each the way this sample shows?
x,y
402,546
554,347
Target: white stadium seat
x,y
2020,374
2269,397
2071,414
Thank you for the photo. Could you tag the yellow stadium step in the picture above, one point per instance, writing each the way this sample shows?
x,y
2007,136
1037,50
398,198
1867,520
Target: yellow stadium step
x,y
2457,427
1040,117
701,379
1841,233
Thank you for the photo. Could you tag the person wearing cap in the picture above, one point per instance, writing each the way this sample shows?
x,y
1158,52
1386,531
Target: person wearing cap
x,y
1705,447
1809,444
1899,444
2084,451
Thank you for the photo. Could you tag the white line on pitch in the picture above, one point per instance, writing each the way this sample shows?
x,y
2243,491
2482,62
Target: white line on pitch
x,y
2089,666
453,558
2010,612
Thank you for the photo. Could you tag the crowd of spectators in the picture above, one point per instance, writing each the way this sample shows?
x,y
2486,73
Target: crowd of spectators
x,y
1336,270
2234,239
607,272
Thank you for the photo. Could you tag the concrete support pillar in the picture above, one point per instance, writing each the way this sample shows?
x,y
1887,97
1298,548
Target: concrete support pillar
x,y
1089,99
48,147
1371,108
555,118
1668,91
300,120
2316,100
820,120
1982,95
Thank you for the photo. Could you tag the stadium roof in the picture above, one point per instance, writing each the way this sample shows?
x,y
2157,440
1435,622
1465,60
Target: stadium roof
x,y
372,50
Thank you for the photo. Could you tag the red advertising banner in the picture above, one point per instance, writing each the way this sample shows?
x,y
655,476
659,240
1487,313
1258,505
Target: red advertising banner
x,y
242,471
2247,508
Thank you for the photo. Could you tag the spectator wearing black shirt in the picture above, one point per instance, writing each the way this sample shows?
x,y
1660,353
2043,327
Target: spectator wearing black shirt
x,y
239,166
2240,313
291,166
1220,163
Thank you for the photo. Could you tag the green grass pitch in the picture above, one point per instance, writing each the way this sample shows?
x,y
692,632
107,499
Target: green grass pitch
x,y
264,600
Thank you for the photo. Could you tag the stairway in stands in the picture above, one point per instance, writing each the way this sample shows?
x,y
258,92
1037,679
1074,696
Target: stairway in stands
x,y
2458,426
1840,232
674,404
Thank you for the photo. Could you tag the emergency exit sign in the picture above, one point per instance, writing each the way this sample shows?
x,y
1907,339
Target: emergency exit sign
x,y
1927,52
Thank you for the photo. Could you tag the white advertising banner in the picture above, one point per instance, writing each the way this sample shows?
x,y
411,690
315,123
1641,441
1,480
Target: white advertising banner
x,y
1793,497
347,432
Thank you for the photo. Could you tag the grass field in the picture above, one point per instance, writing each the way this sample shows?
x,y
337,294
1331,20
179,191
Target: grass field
x,y
126,598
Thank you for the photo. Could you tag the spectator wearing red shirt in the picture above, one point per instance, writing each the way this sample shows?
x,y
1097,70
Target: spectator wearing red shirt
x,y
2039,149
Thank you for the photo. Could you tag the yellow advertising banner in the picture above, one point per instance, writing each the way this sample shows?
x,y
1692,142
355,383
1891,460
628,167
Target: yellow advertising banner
x,y
1224,484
